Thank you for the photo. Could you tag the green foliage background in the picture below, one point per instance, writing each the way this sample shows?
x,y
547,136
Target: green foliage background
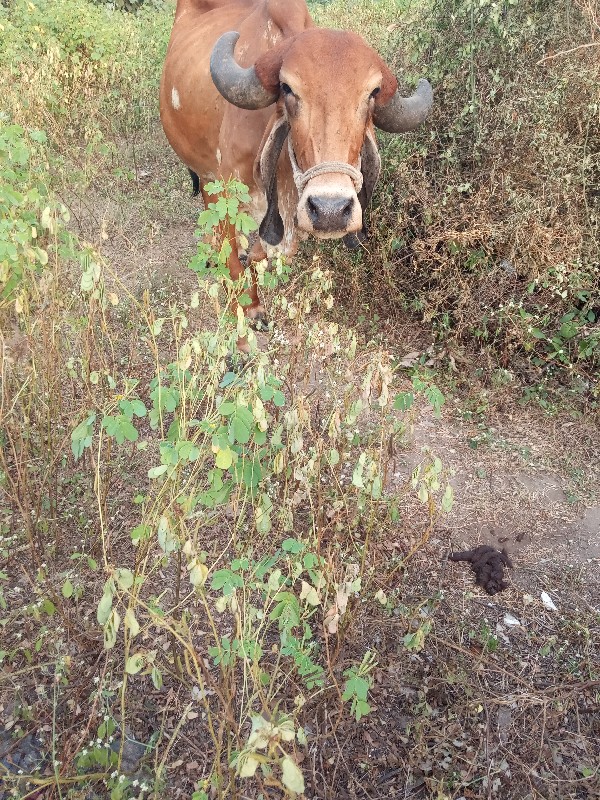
x,y
485,226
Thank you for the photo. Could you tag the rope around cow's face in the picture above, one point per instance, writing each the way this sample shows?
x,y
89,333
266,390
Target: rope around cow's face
x,y
325,167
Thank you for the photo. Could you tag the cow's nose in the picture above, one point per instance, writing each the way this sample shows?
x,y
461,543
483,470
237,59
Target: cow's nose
x,y
329,213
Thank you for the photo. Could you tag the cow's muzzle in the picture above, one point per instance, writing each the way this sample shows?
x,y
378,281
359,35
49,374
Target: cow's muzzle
x,y
329,208
328,203
329,214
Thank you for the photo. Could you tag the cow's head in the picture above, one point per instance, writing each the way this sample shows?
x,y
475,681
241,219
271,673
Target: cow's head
x,y
329,86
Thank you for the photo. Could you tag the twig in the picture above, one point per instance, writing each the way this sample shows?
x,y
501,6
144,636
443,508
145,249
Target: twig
x,y
566,52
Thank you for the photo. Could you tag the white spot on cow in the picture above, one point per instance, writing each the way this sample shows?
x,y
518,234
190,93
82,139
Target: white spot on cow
x,y
272,34
175,101
257,208
218,156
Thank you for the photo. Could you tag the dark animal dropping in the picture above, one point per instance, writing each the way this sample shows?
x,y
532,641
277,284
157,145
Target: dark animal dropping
x,y
488,565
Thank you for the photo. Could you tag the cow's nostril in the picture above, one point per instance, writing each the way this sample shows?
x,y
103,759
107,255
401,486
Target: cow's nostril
x,y
329,213
313,210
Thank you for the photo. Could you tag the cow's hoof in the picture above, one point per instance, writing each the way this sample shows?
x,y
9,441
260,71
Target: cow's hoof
x,y
259,322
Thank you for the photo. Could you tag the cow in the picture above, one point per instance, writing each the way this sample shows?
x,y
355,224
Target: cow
x,y
252,89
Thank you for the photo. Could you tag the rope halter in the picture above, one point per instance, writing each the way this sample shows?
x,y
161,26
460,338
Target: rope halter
x,y
325,167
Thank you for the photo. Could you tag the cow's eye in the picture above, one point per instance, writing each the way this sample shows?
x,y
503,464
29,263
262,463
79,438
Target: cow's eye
x,y
285,89
375,92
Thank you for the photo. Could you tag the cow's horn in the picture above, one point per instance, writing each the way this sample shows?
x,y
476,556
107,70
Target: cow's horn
x,y
403,114
238,85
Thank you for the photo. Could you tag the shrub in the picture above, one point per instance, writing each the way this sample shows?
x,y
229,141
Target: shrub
x,y
63,64
487,220
179,500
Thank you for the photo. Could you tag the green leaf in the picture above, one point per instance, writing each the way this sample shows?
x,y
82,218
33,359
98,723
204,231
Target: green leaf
x,y
241,426
301,736
278,398
129,431
292,546
291,777
157,327
111,628
260,437
157,679
156,472
287,611
224,458
82,436
356,686
67,589
228,379
48,607
208,218
120,428
240,430
139,409
134,664
357,475
448,499
403,401
167,541
139,533
376,488
436,399
124,578
105,605
227,581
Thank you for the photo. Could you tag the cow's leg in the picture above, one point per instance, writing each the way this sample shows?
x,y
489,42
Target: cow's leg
x,y
254,311
257,253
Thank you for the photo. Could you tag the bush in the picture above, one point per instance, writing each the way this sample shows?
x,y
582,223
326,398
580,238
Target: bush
x,y
172,498
487,221
63,66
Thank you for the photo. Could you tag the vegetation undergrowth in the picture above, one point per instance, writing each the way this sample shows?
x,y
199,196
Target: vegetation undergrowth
x,y
229,521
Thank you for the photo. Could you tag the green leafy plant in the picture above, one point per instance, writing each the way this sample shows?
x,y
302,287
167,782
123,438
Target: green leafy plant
x,y
357,686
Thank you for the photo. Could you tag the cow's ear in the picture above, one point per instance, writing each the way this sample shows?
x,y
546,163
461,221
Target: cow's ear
x,y
271,228
389,85
370,165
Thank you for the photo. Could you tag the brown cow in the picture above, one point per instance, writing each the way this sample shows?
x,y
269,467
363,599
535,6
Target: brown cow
x,y
252,89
